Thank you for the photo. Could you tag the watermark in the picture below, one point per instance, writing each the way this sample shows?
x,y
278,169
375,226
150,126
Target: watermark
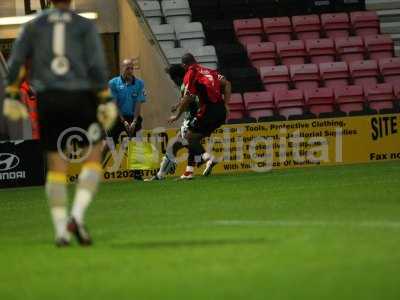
x,y
261,153
234,147
75,144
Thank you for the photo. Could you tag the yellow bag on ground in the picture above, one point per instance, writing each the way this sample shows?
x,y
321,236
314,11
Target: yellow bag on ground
x,y
142,155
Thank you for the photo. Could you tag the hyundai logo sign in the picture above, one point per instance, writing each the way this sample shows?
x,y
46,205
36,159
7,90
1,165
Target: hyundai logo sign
x,y
8,161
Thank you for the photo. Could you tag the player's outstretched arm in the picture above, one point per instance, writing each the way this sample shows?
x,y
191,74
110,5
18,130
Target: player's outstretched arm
x,y
227,89
182,107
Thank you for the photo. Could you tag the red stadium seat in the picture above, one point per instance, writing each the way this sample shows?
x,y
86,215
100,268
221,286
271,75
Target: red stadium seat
x,y
321,50
259,104
365,22
350,49
336,25
262,54
236,107
248,30
334,75
291,52
320,100
305,76
289,103
365,72
390,69
350,98
278,29
379,46
307,27
275,78
380,96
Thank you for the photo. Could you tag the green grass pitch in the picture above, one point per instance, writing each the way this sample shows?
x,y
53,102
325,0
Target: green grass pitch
x,y
322,233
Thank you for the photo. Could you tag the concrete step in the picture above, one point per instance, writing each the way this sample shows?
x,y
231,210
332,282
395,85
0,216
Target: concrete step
x,y
396,39
390,15
397,51
390,27
382,4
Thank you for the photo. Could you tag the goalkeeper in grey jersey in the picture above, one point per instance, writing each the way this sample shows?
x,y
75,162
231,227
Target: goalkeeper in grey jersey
x,y
68,71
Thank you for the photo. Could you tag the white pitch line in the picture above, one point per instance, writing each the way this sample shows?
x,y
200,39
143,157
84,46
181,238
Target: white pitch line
x,y
285,223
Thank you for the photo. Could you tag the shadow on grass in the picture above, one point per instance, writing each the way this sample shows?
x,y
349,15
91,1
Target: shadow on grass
x,y
191,243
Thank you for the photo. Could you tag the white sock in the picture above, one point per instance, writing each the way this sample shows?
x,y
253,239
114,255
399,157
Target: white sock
x,y
190,169
87,187
82,200
206,156
164,167
160,174
60,219
56,191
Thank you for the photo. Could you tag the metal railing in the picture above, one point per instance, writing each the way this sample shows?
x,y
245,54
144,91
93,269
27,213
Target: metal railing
x,y
3,67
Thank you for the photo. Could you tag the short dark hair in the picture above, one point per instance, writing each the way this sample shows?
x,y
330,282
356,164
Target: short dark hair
x,y
176,72
188,59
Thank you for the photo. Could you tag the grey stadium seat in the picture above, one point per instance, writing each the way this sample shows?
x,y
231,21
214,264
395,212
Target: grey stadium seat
x,y
190,35
165,35
177,11
206,56
174,55
152,11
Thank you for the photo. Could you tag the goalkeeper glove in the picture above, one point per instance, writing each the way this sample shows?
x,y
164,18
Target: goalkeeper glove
x,y
13,108
107,111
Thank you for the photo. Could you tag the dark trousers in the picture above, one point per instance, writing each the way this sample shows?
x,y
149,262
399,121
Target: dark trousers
x,y
119,128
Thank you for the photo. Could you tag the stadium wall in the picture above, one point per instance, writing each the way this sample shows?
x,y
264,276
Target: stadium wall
x,y
7,8
138,42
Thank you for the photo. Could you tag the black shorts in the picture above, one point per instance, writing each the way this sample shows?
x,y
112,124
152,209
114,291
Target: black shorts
x,y
213,118
63,114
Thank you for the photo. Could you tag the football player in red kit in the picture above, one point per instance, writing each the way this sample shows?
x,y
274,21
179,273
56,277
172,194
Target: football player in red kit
x,y
213,92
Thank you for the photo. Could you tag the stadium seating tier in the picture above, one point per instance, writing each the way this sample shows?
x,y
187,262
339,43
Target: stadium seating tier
x,y
285,59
